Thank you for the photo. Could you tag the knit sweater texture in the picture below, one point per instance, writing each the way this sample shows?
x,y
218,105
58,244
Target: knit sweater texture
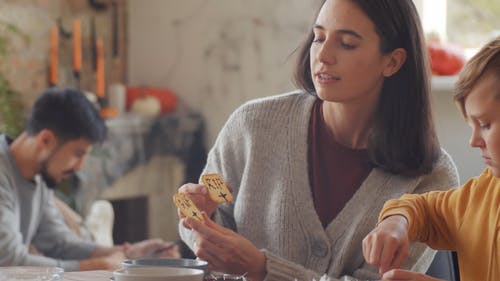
x,y
262,153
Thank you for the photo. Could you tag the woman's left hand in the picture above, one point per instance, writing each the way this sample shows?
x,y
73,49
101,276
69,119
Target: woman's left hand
x,y
226,250
405,275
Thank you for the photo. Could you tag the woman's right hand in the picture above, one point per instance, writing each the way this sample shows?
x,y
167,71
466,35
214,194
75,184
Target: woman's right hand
x,y
199,194
387,245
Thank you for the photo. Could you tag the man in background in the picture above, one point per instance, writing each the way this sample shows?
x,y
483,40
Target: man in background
x,y
59,133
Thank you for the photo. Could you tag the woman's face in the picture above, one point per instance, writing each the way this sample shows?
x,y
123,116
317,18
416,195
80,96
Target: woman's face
x,y
346,62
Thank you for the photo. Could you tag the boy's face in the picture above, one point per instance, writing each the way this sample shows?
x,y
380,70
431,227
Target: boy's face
x,y
482,109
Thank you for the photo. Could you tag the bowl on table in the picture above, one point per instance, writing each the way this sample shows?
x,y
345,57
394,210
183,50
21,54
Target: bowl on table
x,y
182,263
158,274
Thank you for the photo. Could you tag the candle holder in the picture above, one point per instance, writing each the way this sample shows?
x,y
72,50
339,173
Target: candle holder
x,y
53,55
106,111
65,34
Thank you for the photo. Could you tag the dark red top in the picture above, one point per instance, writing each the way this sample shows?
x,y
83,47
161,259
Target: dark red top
x,y
335,171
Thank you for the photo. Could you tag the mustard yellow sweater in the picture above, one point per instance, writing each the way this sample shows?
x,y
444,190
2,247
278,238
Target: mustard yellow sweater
x,y
466,220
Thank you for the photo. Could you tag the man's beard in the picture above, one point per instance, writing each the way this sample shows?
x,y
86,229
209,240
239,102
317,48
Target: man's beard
x,y
49,180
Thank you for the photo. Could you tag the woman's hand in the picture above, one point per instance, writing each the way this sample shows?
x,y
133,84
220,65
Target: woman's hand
x,y
199,194
387,245
226,250
405,275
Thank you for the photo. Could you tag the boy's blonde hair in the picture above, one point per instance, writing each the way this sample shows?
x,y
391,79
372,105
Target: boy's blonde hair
x,y
488,58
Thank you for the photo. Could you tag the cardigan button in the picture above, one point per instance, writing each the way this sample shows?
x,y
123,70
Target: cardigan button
x,y
319,249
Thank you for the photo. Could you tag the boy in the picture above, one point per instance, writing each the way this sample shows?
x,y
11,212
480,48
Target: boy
x,y
467,219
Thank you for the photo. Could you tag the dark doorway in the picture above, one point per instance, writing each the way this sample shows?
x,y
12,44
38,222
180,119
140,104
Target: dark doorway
x,y
131,219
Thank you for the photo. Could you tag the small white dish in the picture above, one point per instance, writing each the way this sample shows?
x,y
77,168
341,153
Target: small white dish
x,y
158,274
31,273
183,263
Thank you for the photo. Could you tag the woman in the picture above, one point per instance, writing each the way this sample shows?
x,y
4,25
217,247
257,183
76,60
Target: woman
x,y
311,171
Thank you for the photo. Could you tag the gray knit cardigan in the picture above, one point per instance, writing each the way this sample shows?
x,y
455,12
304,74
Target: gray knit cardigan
x,y
262,152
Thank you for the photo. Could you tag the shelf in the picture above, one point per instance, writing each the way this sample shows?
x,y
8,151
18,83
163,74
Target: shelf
x,y
443,83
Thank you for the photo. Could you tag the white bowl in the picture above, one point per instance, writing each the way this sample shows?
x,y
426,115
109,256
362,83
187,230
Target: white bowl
x,y
183,263
158,274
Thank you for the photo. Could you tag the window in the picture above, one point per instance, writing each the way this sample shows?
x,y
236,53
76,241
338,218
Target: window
x,y
466,23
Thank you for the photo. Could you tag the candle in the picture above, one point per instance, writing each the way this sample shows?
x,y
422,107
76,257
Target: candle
x,y
77,46
93,40
54,46
100,68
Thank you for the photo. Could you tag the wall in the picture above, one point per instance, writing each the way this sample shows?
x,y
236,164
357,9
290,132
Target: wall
x,y
158,180
26,65
216,54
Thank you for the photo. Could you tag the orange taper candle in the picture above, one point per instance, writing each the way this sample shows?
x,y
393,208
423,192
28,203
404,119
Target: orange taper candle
x,y
77,46
99,68
54,47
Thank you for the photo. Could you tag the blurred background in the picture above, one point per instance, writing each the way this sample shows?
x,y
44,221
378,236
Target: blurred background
x,y
168,73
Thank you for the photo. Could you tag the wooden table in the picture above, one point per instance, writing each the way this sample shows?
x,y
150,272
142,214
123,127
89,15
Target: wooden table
x,y
96,275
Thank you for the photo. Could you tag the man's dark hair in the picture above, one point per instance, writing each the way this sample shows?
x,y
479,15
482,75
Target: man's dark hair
x,y
68,113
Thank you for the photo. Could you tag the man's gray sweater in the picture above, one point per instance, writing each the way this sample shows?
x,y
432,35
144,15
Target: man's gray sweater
x,y
28,216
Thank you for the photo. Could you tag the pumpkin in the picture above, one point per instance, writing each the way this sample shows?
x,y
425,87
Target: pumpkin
x,y
147,106
445,59
167,99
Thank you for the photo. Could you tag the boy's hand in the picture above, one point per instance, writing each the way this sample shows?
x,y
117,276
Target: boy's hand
x,y
387,245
